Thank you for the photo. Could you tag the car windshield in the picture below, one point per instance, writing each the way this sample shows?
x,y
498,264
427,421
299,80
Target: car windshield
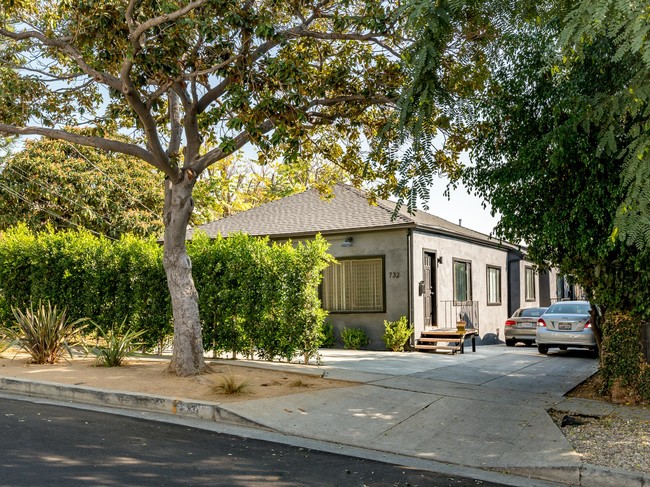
x,y
570,308
532,312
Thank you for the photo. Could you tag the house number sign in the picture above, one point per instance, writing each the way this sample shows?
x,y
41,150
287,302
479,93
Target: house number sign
x,y
393,275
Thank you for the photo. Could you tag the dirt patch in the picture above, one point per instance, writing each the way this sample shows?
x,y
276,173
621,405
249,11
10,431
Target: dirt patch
x,y
592,389
151,377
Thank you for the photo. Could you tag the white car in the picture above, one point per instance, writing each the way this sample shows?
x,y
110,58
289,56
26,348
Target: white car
x,y
565,324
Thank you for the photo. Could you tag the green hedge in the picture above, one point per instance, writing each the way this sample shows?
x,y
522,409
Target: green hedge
x,y
622,358
107,281
255,297
259,298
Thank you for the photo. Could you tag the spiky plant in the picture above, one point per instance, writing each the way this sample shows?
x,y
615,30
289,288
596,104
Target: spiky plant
x,y
46,333
115,345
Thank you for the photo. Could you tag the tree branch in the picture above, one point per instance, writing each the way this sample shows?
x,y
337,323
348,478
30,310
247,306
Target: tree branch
x,y
64,46
176,128
96,142
240,141
142,28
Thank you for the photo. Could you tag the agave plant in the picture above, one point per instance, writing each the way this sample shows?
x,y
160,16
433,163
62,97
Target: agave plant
x,y
46,333
115,345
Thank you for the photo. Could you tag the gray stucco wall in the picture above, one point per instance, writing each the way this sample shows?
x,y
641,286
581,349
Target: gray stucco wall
x,y
392,246
491,317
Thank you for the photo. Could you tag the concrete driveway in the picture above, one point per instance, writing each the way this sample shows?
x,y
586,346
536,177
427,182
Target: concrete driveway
x,y
483,409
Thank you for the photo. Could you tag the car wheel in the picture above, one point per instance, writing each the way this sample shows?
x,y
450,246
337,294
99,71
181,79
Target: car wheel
x,y
542,349
563,347
510,342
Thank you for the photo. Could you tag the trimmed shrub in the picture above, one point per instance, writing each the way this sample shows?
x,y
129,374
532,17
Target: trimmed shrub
x,y
354,338
622,359
396,334
255,298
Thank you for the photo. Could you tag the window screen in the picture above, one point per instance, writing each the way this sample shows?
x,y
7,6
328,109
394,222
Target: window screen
x,y
354,285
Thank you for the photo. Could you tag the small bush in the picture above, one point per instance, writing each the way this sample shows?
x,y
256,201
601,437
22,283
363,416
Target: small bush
x,y
354,338
329,337
45,334
397,333
115,345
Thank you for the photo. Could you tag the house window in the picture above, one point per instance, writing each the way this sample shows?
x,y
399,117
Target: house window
x,y
559,287
529,275
462,281
354,285
493,285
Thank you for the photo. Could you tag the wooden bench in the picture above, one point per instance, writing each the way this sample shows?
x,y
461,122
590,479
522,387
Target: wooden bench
x,y
430,340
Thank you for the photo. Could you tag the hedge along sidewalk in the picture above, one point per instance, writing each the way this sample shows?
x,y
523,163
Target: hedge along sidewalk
x,y
255,297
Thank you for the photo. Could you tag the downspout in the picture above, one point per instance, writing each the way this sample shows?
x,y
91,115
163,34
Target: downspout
x,y
409,277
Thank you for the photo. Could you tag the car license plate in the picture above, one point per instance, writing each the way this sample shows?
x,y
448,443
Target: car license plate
x,y
564,326
527,325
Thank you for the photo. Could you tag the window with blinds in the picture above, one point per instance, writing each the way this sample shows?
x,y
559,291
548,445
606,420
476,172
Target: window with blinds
x,y
493,285
354,285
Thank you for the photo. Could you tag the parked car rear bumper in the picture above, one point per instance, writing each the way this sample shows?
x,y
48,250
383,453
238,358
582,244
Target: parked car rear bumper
x,y
551,338
527,334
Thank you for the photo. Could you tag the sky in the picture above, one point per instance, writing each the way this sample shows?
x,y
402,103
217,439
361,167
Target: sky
x,y
461,206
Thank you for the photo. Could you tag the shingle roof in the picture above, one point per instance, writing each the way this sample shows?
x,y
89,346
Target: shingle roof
x,y
307,213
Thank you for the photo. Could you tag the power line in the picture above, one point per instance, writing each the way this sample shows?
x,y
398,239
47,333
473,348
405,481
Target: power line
x,y
74,202
112,180
55,215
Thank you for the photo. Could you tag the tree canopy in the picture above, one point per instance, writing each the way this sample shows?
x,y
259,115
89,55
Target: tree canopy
x,y
56,183
193,81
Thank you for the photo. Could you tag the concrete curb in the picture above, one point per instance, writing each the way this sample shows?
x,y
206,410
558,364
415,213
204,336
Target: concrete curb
x,y
584,475
135,401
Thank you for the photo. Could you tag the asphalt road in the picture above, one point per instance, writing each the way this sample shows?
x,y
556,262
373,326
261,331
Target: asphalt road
x,y
43,445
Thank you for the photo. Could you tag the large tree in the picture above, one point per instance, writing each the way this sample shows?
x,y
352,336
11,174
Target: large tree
x,y
620,119
66,186
194,81
539,159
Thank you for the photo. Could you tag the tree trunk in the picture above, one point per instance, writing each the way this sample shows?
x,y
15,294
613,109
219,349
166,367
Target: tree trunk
x,y
187,358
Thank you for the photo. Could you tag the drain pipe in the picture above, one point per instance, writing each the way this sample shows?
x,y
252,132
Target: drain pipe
x,y
409,277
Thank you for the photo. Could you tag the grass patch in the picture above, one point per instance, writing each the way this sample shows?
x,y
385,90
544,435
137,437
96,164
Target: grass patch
x,y
231,385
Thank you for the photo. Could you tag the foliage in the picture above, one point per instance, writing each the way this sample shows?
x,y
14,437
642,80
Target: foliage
x,y
95,277
354,338
295,80
258,298
622,358
235,184
620,119
328,334
396,334
115,344
45,333
54,182
540,162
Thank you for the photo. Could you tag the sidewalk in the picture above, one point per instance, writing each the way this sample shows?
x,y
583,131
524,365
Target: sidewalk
x,y
485,411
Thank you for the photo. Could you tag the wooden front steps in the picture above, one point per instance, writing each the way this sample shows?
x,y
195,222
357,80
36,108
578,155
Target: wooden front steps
x,y
453,339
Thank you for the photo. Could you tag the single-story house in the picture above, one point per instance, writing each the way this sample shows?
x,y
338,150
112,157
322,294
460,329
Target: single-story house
x,y
415,265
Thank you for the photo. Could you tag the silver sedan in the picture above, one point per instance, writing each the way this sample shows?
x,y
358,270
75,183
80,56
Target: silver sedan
x,y
565,324
520,327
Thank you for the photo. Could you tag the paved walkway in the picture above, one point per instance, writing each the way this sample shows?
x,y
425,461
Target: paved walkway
x,y
482,410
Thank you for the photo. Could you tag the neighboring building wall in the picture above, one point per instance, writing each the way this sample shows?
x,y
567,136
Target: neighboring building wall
x,y
491,317
392,246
